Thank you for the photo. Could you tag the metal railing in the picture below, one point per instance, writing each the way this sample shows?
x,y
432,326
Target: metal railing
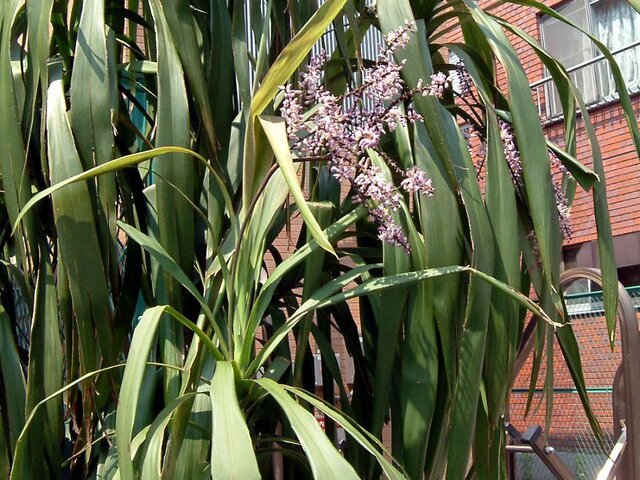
x,y
591,303
545,91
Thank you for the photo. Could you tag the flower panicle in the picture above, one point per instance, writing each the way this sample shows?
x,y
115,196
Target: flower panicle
x,y
346,128
436,88
512,156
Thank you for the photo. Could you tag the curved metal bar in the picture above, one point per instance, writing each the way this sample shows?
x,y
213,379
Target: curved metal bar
x,y
630,337
627,381
610,468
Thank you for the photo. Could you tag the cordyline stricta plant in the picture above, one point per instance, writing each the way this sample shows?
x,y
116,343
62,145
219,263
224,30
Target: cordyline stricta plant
x,y
153,152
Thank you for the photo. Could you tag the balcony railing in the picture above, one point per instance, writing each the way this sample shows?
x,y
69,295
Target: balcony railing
x,y
593,79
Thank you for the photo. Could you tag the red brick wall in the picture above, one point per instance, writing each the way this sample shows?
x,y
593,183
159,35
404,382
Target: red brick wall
x,y
569,423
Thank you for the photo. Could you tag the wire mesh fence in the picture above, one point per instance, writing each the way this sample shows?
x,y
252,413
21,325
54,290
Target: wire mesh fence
x,y
566,426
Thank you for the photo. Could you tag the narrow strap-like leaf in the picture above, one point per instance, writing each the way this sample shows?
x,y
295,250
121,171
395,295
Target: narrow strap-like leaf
x,y
232,455
294,53
143,339
325,460
276,132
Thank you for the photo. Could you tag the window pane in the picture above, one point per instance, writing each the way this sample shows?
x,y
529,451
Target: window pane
x,y
571,48
617,25
565,43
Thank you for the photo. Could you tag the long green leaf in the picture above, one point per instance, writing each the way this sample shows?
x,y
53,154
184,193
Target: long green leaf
x,y
364,438
605,241
325,297
473,342
445,241
531,143
14,385
74,217
220,64
603,223
326,291
156,250
232,454
275,130
117,164
91,120
12,150
502,210
22,456
38,20
265,296
184,35
241,53
176,222
325,460
313,268
143,339
294,53
195,447
420,369
44,377
90,100
152,451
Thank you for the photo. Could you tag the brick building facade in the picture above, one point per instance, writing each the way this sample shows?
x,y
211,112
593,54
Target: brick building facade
x,y
621,163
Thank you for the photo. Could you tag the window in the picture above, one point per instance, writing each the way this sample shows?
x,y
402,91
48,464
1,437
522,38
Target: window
x,y
616,24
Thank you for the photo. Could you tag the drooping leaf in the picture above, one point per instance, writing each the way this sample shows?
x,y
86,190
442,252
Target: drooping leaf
x,y
363,437
275,130
325,460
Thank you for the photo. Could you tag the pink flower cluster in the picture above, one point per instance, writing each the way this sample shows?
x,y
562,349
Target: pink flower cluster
x,y
562,202
345,128
439,84
512,155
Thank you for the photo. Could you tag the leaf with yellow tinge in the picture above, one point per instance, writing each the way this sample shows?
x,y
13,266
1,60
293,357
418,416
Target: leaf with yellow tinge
x,y
294,53
275,130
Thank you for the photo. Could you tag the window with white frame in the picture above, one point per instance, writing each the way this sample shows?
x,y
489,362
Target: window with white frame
x,y
616,24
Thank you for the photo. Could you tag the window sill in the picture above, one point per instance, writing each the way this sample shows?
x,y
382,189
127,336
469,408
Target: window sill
x,y
609,100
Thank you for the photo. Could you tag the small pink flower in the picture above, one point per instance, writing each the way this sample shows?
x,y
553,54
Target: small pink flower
x,y
416,181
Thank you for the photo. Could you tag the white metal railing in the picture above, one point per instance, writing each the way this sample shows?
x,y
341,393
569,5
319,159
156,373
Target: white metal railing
x,y
615,457
546,110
